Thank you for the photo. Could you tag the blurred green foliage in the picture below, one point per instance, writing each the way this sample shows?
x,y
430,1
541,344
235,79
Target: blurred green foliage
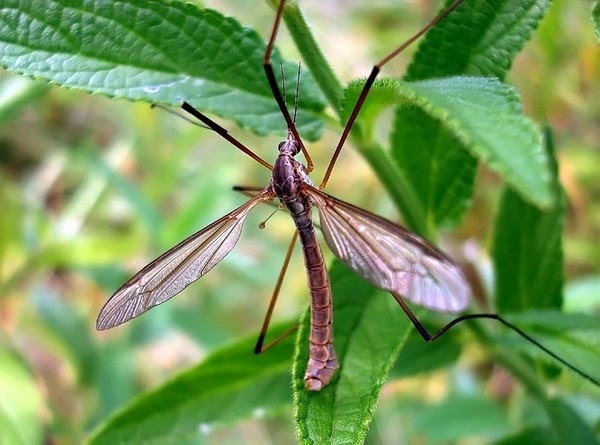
x,y
92,189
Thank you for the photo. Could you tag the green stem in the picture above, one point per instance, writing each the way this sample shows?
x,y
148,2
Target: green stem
x,y
312,55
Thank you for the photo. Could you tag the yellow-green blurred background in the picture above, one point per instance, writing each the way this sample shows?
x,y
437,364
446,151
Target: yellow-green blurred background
x,y
91,189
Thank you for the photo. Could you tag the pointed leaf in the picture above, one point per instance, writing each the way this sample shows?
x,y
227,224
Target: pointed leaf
x,y
370,329
154,51
231,384
484,115
527,252
480,38
567,425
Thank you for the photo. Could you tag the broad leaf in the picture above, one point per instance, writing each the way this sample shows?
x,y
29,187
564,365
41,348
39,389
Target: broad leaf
x,y
156,51
567,425
527,251
231,384
477,114
370,329
436,163
479,38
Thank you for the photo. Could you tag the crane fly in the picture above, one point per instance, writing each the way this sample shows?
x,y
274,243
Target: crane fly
x,y
387,255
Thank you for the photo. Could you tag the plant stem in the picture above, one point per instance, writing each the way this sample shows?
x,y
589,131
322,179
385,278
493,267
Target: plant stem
x,y
313,56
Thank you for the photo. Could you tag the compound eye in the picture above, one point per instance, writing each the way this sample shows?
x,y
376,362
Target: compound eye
x,y
290,146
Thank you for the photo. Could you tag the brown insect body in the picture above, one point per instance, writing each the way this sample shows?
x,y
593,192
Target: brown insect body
x,y
387,255
288,182
380,251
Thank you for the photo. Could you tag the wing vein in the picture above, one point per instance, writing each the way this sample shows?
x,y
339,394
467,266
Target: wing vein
x,y
389,256
177,268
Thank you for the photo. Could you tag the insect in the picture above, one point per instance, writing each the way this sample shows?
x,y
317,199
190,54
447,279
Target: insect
x,y
385,254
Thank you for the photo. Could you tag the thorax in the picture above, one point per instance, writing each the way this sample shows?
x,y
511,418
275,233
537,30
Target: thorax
x,y
288,180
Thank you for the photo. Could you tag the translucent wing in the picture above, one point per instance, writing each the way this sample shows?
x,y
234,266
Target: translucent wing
x,y
175,269
391,257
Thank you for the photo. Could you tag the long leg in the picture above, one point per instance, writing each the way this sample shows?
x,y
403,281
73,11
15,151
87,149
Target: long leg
x,y
263,331
224,134
432,337
259,348
247,190
369,84
277,92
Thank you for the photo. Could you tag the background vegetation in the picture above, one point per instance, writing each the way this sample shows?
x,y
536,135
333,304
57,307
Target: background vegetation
x,y
93,188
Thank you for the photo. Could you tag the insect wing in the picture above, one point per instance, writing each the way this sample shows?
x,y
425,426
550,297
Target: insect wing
x,y
390,257
175,269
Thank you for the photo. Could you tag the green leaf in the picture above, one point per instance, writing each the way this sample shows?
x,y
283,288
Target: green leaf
x,y
567,425
115,374
418,356
458,417
370,330
231,384
530,436
479,38
573,337
527,251
21,404
70,328
435,163
553,320
156,51
312,55
596,19
477,114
